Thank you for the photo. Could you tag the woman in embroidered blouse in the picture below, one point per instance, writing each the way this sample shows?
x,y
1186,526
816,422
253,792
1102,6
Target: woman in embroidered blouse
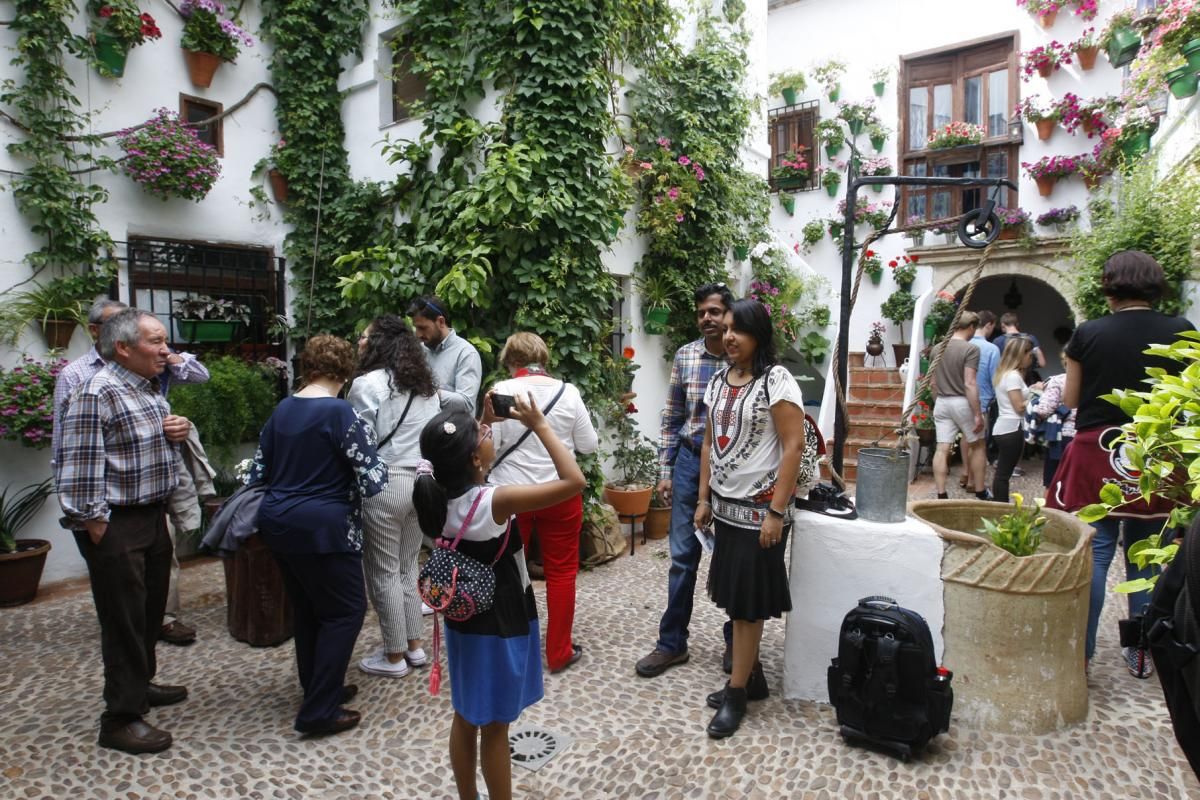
x,y
748,468
494,657
395,393
317,458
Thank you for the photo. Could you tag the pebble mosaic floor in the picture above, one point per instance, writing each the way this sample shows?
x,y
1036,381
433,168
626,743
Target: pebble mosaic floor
x,y
632,737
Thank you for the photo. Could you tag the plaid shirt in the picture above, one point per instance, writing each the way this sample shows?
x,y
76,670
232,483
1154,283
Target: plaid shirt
x,y
112,450
683,417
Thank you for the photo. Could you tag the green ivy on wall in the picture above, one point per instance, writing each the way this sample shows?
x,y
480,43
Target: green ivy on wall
x,y
329,212
48,192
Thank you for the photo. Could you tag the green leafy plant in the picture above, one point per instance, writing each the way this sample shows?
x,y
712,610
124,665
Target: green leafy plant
x,y
16,511
634,455
792,79
828,73
1019,531
813,347
813,232
208,28
898,308
231,407
122,21
59,299
203,307
941,314
27,401
832,134
1161,218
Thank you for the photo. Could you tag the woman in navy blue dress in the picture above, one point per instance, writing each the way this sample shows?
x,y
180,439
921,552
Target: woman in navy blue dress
x,y
317,458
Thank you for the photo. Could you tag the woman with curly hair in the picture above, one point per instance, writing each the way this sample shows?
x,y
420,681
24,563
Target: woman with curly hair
x,y
317,459
395,393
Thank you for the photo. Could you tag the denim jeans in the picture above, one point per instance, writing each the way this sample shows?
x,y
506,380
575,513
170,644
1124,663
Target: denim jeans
x,y
685,556
1104,545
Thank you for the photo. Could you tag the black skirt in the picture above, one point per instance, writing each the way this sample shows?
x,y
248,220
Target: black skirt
x,y
745,580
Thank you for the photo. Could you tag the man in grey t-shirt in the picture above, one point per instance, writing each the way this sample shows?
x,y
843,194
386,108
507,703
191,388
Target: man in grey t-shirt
x,y
957,407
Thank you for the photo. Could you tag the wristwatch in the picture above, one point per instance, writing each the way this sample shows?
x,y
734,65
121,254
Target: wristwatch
x,y
774,513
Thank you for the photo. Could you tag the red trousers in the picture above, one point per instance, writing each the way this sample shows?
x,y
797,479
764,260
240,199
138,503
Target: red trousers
x,y
558,529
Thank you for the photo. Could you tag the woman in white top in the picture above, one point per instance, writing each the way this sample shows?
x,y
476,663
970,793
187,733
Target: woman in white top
x,y
521,459
749,462
395,393
1011,395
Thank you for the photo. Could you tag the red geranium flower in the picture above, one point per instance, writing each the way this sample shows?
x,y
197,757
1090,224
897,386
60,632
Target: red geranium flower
x,y
914,259
870,254
627,352
631,409
893,263
106,11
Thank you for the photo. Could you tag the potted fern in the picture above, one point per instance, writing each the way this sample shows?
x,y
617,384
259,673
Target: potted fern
x,y
56,306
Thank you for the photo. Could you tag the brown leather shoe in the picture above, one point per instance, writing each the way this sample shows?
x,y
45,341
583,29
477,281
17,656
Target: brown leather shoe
x,y
135,737
659,662
344,721
177,632
165,695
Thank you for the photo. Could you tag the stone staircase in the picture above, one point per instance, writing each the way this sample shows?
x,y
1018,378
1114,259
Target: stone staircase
x,y
875,401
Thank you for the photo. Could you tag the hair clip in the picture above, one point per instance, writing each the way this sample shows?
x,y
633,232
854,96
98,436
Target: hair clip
x,y
449,427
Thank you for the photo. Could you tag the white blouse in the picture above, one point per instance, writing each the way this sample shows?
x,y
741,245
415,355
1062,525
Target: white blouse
x,y
569,419
1007,418
746,449
372,397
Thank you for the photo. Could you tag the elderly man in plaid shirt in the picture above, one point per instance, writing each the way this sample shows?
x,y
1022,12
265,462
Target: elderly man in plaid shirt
x,y
681,434
116,464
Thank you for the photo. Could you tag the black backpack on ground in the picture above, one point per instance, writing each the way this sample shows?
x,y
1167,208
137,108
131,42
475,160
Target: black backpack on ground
x,y
1172,624
885,683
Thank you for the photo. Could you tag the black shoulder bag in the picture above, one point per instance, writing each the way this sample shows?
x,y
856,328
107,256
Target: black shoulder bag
x,y
525,435
379,445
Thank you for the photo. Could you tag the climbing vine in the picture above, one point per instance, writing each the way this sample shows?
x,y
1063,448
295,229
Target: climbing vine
x,y
56,201
691,105
328,211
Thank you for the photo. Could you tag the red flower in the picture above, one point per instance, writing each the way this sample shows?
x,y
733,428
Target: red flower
x,y
914,259
893,263
631,409
106,11
870,254
627,352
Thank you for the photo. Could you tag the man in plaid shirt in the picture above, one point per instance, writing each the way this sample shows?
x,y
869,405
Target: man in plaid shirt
x,y
116,464
681,434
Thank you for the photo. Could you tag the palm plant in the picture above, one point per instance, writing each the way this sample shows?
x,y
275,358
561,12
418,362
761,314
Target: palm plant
x,y
15,512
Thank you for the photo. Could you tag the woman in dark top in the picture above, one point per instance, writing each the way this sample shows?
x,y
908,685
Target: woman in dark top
x,y
1106,354
317,458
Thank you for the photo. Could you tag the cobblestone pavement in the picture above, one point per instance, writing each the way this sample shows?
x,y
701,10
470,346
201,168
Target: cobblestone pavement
x,y
632,737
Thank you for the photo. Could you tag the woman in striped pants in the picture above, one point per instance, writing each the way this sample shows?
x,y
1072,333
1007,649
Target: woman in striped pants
x,y
395,392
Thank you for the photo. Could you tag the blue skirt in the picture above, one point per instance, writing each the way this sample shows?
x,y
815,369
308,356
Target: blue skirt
x,y
494,678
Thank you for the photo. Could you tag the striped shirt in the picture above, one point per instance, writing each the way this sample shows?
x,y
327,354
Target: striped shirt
x,y
683,417
112,451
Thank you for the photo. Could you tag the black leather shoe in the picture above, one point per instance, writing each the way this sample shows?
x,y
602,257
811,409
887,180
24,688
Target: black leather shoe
x,y
756,688
135,737
727,720
165,695
344,721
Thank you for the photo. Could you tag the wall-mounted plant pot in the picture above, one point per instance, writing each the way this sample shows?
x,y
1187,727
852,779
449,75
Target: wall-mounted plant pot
x,y
1092,181
855,126
1045,184
741,251
1045,69
877,187
832,151
832,189
21,572
110,56
1136,145
655,320
918,238
1088,126
1010,232
875,277
201,67
279,185
835,93
58,332
930,330
1045,128
789,204
629,502
879,87
1048,18
790,183
1182,82
1087,57
877,142
1191,51
207,330
789,96
1124,46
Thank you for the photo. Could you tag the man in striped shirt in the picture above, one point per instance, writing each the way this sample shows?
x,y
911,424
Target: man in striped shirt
x,y
680,437
116,464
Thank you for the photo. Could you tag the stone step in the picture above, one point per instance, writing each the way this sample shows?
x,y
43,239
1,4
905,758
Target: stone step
x,y
888,409
875,376
877,393
869,429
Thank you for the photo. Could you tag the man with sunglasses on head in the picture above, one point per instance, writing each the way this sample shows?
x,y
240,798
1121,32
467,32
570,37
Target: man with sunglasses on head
x,y
454,361
681,434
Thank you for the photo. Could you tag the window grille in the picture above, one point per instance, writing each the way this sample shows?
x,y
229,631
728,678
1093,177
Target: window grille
x,y
790,128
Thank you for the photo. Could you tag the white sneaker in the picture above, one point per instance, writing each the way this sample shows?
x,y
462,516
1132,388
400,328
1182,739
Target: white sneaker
x,y
416,658
377,664
426,611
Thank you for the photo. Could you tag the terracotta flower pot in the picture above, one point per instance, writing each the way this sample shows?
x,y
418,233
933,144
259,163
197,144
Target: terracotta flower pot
x,y
1091,181
201,67
1045,185
629,502
1086,123
658,522
1045,69
1045,128
279,185
58,332
1048,18
1087,56
22,571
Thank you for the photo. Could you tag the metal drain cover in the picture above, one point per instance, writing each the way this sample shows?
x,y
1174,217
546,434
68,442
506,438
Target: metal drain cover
x,y
532,747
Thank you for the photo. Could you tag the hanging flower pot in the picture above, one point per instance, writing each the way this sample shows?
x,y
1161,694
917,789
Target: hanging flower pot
x,y
1136,145
1047,19
279,185
1089,126
1045,184
879,87
110,55
875,277
789,96
741,252
877,142
656,320
1091,181
790,183
1045,69
1182,82
789,204
855,126
58,332
1191,51
930,330
1087,57
917,237
835,92
833,150
201,67
1045,128
1124,46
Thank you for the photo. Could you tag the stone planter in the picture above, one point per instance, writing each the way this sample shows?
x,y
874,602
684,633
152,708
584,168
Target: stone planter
x,y
1015,627
21,572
